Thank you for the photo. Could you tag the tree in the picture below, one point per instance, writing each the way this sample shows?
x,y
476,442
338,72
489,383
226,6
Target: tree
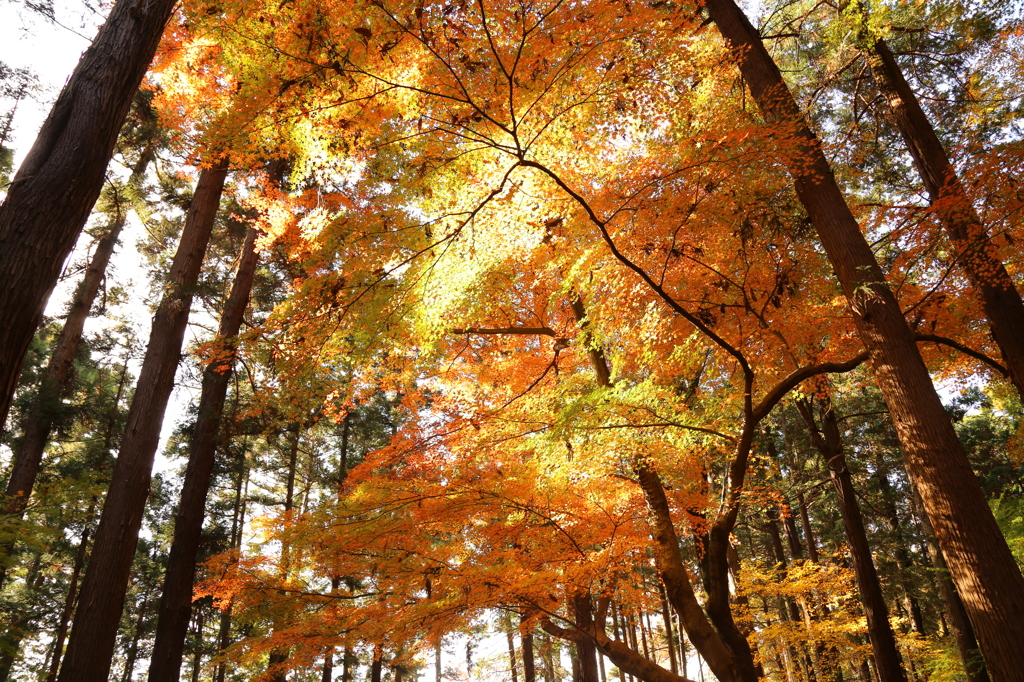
x,y
91,645
56,186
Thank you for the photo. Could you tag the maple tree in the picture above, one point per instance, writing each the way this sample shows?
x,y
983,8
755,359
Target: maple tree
x,y
563,242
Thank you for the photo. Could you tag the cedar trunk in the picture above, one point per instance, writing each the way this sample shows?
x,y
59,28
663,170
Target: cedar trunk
x,y
56,186
91,646
975,253
979,560
176,601
29,456
883,641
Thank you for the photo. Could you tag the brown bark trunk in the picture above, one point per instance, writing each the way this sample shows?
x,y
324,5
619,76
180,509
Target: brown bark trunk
x,y
715,635
510,637
57,184
828,442
959,623
69,606
37,427
728,663
805,523
585,650
669,638
376,666
92,640
133,650
526,643
348,661
974,251
29,456
197,658
979,560
176,603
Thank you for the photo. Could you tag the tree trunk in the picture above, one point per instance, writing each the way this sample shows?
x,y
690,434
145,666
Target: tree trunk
x,y
57,184
197,657
959,623
526,643
585,650
92,640
512,653
377,665
133,650
979,560
973,249
828,442
176,602
69,606
39,423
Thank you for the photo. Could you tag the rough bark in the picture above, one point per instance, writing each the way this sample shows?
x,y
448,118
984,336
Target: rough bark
x,y
91,645
585,650
979,560
959,623
69,606
828,442
526,644
29,455
974,251
176,602
56,186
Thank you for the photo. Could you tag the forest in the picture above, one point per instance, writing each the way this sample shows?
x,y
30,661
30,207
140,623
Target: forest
x,y
517,340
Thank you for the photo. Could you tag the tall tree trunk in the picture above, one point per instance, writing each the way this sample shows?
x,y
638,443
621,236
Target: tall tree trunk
x,y
57,184
526,643
828,442
133,650
583,614
197,656
510,637
805,523
348,662
973,249
176,602
69,606
91,645
979,560
39,423
377,665
669,638
959,623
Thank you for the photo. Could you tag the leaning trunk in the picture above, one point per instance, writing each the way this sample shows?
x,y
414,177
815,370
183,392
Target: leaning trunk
x,y
91,647
979,560
883,640
176,602
29,456
974,251
56,186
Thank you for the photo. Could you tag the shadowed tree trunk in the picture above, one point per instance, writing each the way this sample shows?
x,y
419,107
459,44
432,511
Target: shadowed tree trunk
x,y
827,441
176,602
526,640
959,623
69,606
979,560
974,251
92,640
29,455
56,186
